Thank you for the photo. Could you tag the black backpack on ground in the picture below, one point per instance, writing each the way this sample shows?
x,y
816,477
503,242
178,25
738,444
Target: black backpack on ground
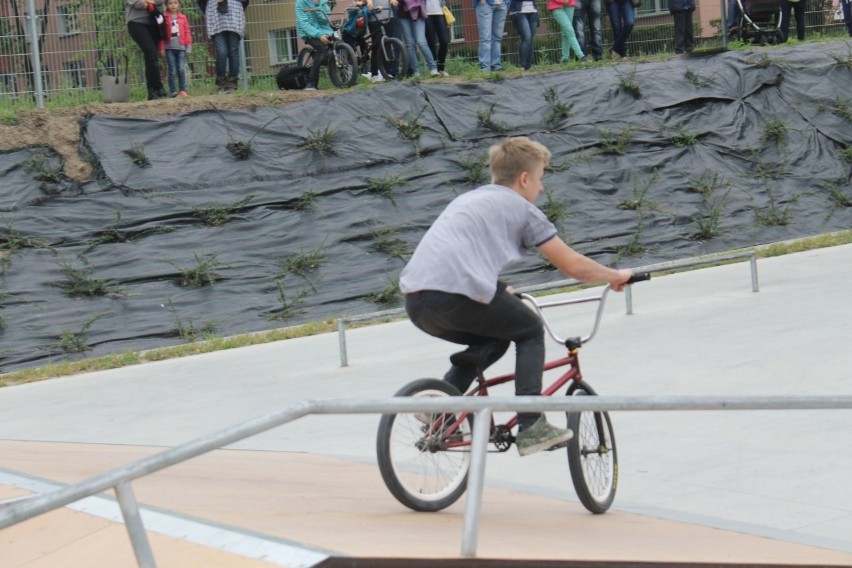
x,y
292,77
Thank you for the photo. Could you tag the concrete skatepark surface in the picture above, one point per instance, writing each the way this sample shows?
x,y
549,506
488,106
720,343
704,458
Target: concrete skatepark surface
x,y
759,487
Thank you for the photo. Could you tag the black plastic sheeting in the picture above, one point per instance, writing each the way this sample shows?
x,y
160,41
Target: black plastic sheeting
x,y
696,122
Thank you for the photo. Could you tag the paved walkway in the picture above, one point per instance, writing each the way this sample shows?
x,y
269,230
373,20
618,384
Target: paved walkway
x,y
727,486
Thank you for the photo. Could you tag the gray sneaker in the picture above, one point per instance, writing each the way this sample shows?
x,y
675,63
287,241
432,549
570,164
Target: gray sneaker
x,y
541,436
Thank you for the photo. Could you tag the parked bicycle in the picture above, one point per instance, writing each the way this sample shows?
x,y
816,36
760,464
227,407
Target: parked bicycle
x,y
393,58
424,459
339,58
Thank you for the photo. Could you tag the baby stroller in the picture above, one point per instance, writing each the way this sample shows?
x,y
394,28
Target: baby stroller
x,y
757,21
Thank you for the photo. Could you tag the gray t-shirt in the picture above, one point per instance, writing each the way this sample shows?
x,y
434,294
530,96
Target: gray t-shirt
x,y
473,240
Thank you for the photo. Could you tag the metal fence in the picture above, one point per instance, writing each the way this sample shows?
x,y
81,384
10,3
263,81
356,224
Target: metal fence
x,y
53,52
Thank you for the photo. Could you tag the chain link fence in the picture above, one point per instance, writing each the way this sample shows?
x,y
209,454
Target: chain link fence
x,y
54,52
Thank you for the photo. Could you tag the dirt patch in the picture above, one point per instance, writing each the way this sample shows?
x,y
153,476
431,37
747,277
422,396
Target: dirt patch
x,y
60,128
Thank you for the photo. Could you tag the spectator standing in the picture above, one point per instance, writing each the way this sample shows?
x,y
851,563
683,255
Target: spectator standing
x,y
176,46
412,18
622,17
846,7
437,34
524,15
355,33
490,23
798,8
563,13
589,10
139,16
733,15
226,24
684,38
313,27
386,10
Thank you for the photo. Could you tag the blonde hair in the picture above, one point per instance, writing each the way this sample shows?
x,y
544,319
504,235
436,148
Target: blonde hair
x,y
514,156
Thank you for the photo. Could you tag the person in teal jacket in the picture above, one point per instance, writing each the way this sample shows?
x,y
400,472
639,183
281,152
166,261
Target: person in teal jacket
x,y
313,26
684,38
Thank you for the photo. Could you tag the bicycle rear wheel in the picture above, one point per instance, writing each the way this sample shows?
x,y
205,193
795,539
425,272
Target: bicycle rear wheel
x,y
423,465
393,59
306,57
343,67
592,456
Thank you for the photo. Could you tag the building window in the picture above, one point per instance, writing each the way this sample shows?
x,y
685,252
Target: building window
x,y
457,29
653,7
75,75
66,21
282,46
246,43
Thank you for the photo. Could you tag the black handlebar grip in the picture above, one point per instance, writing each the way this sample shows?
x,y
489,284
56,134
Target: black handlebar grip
x,y
639,277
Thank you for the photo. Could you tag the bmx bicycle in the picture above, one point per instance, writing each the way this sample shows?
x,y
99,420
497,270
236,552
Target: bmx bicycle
x,y
393,58
424,459
339,58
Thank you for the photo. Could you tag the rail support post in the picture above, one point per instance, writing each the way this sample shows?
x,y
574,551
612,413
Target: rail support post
x,y
475,481
135,528
752,260
341,339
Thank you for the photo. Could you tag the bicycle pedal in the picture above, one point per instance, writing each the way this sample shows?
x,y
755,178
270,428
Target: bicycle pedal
x,y
559,446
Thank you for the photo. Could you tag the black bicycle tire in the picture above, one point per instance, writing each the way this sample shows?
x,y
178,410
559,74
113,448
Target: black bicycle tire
x,y
419,500
306,57
342,66
386,68
595,501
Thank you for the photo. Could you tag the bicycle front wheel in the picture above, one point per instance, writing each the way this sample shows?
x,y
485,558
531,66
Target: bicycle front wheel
x,y
424,459
393,59
343,67
592,457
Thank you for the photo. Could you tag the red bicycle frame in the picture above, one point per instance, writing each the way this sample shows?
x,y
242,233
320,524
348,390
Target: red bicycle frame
x,y
571,360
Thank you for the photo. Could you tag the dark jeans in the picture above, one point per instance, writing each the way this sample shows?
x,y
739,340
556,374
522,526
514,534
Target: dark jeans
x,y
438,34
592,9
526,24
733,14
359,45
227,46
684,36
376,36
319,54
487,329
847,15
141,34
798,9
622,18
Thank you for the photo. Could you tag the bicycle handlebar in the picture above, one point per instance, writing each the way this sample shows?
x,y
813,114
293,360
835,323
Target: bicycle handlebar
x,y
577,342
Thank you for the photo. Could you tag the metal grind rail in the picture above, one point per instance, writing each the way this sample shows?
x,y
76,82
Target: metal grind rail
x,y
693,262
119,479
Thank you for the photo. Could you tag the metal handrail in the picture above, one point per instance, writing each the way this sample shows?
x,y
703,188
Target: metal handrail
x,y
119,479
628,292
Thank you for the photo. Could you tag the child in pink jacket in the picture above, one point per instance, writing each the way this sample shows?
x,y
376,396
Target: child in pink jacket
x,y
563,13
175,46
